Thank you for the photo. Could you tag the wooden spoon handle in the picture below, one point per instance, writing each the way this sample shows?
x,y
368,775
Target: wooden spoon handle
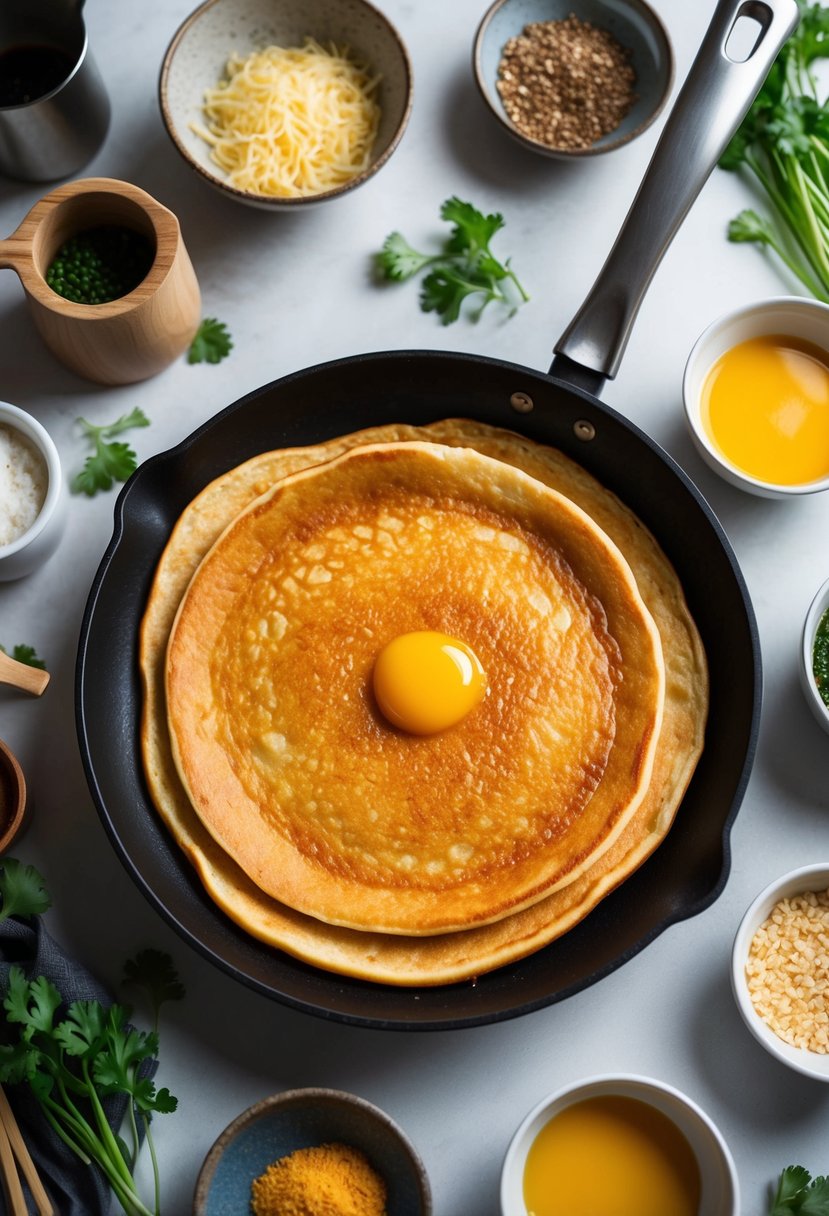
x,y
11,1179
21,675
24,1159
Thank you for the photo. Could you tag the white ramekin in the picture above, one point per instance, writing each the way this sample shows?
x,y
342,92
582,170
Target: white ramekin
x,y
806,878
793,316
37,544
720,1187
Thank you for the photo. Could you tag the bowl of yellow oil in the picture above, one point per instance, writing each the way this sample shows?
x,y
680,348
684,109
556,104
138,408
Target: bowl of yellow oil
x,y
621,1145
756,393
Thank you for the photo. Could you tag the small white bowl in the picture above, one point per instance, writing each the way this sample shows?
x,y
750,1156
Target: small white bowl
x,y
794,316
197,56
818,706
38,543
807,878
720,1186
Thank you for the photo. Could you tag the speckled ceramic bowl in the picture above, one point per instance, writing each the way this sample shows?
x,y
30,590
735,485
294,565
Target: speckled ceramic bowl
x,y
631,22
303,1118
196,59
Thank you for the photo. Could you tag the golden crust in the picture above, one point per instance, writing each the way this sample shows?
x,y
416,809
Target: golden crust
x,y
287,760
449,957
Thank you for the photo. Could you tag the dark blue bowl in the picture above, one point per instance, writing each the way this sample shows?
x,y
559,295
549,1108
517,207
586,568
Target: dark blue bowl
x,y
304,1118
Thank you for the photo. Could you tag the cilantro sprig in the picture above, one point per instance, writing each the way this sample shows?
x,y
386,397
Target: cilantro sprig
x,y
783,143
464,267
26,654
72,1063
108,462
798,1192
154,973
211,344
22,890
74,1056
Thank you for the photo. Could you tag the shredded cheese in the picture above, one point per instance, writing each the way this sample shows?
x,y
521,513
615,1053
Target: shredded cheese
x,y
288,122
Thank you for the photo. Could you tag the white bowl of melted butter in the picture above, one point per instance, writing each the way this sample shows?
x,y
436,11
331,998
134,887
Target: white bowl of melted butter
x,y
32,494
756,394
617,1140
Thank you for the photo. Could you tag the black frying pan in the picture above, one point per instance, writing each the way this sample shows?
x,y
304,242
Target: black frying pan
x,y
690,868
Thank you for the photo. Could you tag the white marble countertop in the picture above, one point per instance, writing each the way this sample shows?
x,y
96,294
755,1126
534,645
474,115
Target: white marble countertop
x,y
295,290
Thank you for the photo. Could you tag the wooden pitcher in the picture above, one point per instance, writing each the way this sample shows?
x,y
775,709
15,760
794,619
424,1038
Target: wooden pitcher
x,y
127,339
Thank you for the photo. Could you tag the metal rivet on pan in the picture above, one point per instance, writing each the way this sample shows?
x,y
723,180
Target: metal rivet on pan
x,y
584,430
522,402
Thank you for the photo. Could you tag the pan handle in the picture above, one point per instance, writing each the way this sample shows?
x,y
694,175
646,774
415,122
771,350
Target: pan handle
x,y
713,101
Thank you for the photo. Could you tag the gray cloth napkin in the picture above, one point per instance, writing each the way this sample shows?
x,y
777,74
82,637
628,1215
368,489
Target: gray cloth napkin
x,y
74,1188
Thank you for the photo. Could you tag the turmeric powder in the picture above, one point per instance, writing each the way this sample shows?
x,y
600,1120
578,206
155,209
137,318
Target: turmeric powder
x,y
329,1180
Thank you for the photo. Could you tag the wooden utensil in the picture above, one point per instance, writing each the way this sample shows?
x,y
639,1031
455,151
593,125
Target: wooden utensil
x,y
11,1180
21,675
127,339
14,799
13,1147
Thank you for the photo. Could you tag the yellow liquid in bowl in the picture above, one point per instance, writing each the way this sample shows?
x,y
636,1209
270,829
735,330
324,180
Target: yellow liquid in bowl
x,y
611,1156
765,404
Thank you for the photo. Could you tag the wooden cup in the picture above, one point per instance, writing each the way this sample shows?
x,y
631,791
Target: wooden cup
x,y
127,339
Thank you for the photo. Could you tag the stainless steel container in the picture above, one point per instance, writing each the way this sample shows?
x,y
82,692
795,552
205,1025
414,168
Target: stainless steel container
x,y
54,109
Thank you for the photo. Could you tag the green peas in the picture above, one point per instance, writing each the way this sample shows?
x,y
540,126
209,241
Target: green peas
x,y
100,264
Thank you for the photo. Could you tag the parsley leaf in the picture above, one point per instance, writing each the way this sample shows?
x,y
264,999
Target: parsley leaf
x,y
472,230
211,343
110,461
26,654
798,1192
398,261
22,889
464,267
153,971
816,1200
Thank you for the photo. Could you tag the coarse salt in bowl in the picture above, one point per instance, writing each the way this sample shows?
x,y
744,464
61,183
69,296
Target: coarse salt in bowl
x,y
32,494
800,1006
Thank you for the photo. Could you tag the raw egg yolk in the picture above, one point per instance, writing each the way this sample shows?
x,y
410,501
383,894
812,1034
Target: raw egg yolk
x,y
427,681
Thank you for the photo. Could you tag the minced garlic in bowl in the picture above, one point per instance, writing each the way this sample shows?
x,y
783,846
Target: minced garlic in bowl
x,y
787,971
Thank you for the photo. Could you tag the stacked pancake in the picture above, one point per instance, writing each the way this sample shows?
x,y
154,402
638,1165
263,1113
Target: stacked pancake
x,y
326,829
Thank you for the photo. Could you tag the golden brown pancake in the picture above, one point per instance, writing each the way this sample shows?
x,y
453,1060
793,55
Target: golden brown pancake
x,y
280,745
456,956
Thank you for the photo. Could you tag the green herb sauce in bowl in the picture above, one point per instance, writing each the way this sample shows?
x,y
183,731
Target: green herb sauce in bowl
x,y
814,657
820,657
